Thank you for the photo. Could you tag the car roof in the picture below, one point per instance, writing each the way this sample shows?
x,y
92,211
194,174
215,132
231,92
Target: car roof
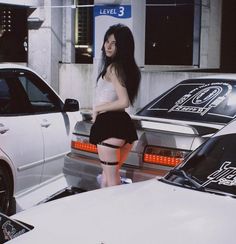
x,y
13,66
218,76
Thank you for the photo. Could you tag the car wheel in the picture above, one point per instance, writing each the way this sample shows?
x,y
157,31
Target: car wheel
x,y
6,199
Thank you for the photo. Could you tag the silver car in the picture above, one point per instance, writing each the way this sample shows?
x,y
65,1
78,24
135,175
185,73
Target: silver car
x,y
169,128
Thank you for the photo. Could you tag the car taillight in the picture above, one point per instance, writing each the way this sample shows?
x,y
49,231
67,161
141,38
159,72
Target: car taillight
x,y
163,156
82,143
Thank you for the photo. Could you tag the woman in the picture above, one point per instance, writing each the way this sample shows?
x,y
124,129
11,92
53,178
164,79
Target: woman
x,y
117,86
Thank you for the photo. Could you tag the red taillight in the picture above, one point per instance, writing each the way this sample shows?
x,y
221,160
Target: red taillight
x,y
167,161
163,156
84,146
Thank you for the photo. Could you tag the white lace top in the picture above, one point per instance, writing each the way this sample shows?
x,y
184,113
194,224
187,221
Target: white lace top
x,y
104,92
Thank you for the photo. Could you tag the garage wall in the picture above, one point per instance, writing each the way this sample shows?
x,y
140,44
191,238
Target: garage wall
x,y
78,81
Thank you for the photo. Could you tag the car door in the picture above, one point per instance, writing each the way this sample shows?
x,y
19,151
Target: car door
x,y
56,125
21,136
56,131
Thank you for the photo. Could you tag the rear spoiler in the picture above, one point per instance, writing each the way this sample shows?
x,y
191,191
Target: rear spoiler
x,y
176,126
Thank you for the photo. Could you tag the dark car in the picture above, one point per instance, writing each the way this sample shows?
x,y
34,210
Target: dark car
x,y
169,128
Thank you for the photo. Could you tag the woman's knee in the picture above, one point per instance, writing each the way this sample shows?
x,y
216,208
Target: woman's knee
x,y
103,180
124,151
112,175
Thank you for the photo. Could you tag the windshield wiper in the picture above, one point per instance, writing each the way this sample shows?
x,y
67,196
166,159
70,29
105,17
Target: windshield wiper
x,y
219,192
181,173
191,182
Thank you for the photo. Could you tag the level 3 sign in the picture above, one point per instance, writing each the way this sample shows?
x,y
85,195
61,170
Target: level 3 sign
x,y
117,11
104,17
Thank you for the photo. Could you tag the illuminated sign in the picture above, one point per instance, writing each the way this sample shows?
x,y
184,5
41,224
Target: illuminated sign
x,y
104,17
117,11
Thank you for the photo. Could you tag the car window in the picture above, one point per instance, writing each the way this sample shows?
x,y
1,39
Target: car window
x,y
10,228
13,99
205,100
41,97
214,164
22,92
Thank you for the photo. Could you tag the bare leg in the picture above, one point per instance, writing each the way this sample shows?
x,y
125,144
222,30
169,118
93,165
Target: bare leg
x,y
103,181
124,151
111,175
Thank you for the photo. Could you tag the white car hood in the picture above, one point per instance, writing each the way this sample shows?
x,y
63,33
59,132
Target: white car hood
x,y
145,212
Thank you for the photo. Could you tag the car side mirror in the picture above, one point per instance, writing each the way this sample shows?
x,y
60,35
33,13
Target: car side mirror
x,y
71,105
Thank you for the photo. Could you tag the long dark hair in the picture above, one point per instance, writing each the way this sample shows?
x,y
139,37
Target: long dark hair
x,y
123,61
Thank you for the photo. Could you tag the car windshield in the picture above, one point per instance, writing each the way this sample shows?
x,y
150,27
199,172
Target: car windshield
x,y
212,167
10,228
199,100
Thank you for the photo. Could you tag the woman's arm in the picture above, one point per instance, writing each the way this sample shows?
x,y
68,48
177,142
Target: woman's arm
x,y
122,101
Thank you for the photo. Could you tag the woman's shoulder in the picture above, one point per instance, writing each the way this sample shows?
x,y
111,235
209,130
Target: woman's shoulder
x,y
111,68
111,71
115,73
115,69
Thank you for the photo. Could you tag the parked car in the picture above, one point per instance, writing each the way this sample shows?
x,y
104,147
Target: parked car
x,y
194,203
169,128
35,134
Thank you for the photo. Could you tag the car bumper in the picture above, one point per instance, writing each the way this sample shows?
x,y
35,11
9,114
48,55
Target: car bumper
x,y
82,172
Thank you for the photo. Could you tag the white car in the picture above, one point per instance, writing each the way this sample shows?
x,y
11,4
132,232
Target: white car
x,y
193,204
35,133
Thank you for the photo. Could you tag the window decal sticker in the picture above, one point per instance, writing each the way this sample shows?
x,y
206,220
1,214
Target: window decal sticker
x,y
10,228
224,176
202,99
206,99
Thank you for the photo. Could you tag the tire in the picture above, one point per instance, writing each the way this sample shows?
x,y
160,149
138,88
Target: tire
x,y
6,195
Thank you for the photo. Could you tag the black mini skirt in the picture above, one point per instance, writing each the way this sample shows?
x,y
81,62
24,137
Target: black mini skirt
x,y
113,124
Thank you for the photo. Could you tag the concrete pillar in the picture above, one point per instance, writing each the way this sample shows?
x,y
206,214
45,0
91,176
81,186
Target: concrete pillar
x,y
68,28
45,41
210,34
138,28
